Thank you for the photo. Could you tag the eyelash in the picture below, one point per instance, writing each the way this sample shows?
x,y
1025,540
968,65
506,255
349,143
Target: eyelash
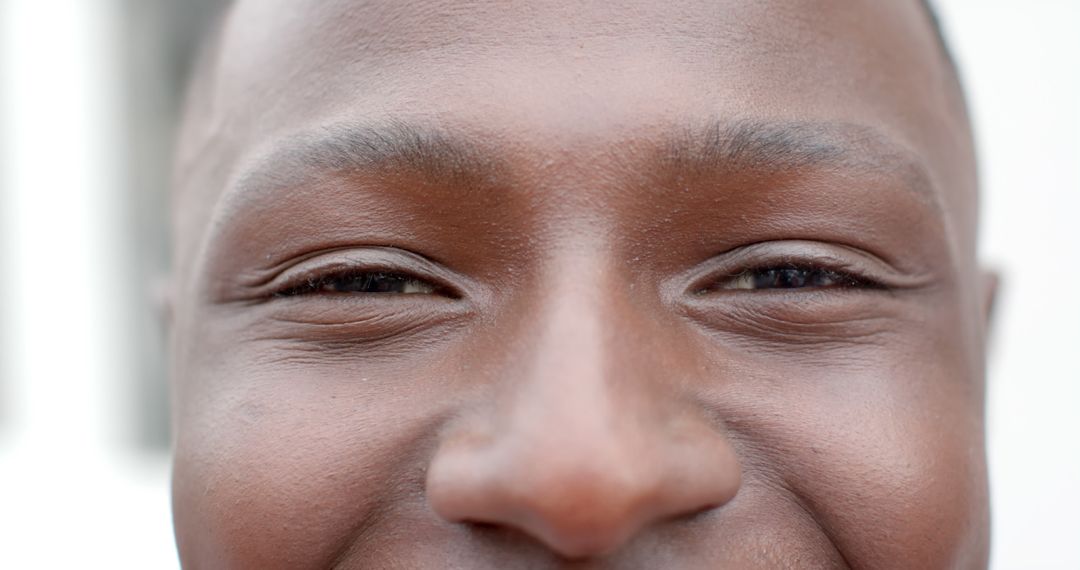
x,y
363,282
790,276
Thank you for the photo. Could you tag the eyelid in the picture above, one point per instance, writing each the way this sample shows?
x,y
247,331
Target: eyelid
x,y
842,259
342,262
317,284
845,278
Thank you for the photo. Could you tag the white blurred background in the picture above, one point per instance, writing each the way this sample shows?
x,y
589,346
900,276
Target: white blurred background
x,y
88,97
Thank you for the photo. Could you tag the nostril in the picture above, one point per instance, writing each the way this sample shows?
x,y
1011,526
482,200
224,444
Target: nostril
x,y
496,531
696,515
522,542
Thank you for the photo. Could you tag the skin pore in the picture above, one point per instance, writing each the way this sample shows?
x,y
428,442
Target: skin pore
x,y
578,285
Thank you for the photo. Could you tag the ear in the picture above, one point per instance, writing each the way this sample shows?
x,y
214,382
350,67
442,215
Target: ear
x,y
989,285
161,297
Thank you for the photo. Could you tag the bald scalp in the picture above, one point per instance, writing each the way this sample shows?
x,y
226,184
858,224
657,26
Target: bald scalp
x,y
205,64
201,78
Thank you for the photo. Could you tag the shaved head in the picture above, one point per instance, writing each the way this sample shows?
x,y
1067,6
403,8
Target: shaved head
x,y
592,285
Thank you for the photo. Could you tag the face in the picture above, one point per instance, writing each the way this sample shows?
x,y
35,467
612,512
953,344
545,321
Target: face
x,y
577,285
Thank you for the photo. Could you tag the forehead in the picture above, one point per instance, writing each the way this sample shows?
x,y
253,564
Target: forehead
x,y
558,62
572,79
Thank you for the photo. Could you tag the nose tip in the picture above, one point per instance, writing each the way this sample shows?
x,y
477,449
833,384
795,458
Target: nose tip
x,y
581,501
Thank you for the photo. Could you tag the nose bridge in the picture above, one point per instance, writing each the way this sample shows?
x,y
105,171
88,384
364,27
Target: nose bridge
x,y
586,442
581,419
582,364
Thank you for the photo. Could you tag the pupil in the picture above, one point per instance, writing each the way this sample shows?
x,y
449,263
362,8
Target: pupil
x,y
822,279
786,278
791,278
375,283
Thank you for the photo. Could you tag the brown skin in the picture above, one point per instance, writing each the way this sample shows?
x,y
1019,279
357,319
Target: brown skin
x,y
571,200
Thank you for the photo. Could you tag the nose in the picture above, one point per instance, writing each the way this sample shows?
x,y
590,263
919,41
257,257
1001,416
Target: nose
x,y
586,440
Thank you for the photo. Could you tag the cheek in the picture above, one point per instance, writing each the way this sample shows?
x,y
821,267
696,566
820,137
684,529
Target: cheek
x,y
283,466
898,487
886,452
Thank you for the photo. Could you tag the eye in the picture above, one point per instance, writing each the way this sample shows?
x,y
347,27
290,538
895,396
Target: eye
x,y
789,277
368,282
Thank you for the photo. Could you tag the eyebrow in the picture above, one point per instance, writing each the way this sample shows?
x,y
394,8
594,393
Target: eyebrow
x,y
463,159
796,145
383,147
